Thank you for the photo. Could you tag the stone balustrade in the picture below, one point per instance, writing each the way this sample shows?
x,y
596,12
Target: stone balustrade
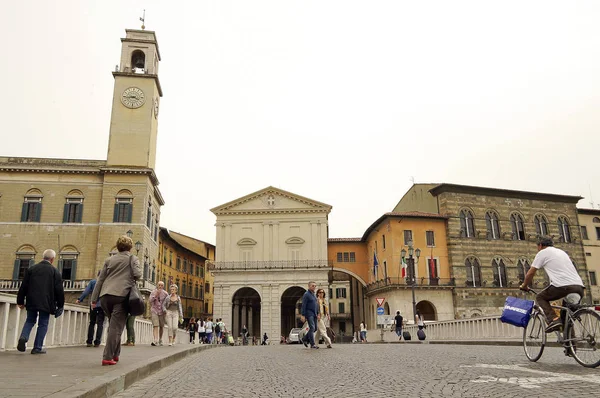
x,y
70,329
10,285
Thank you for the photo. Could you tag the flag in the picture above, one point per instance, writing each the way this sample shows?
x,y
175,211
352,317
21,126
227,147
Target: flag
x,y
432,270
404,267
375,264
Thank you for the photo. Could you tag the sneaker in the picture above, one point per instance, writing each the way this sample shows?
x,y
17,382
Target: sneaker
x,y
316,347
21,344
170,344
89,345
305,343
38,351
153,344
553,326
160,343
329,346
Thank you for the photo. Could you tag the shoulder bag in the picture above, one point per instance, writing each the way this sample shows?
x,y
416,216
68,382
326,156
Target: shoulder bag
x,y
136,303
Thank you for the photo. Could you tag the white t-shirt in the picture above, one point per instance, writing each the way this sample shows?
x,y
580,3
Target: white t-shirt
x,y
201,328
363,328
208,325
558,266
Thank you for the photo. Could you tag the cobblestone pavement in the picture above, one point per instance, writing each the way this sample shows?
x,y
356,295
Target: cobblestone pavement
x,y
371,370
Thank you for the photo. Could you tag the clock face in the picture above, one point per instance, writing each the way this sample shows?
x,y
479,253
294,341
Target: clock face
x,y
133,97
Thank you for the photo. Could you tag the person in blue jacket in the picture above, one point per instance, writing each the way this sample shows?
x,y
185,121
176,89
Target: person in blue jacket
x,y
96,316
310,314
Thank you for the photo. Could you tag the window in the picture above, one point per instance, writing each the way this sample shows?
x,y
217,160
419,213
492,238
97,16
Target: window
x,y
178,264
295,253
518,226
206,308
598,233
32,209
341,308
493,227
197,291
593,281
339,257
588,254
197,270
330,293
467,224
201,275
563,229
149,215
207,287
584,234
430,237
596,220
383,237
407,236
352,257
123,209
499,271
170,258
67,266
346,257
340,292
342,327
541,224
522,268
473,272
22,263
183,289
73,209
156,230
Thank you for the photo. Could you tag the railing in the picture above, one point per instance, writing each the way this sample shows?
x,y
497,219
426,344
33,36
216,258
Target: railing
x,y
9,285
70,329
405,282
262,265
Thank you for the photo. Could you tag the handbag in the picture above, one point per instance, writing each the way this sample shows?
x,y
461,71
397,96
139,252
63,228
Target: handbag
x,y
516,311
135,301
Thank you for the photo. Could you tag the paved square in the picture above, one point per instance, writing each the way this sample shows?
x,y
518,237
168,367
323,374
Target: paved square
x,y
373,370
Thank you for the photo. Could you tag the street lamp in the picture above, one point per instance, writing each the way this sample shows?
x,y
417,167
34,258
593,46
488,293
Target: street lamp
x,y
138,247
410,262
129,234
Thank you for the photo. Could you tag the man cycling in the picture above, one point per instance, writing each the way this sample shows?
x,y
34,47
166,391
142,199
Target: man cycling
x,y
564,279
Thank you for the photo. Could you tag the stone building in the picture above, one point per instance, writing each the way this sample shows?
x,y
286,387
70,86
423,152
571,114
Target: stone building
x,y
80,207
183,261
270,244
491,236
589,222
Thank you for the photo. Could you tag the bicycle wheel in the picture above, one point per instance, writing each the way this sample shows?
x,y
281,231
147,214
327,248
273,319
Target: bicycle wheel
x,y
583,336
534,337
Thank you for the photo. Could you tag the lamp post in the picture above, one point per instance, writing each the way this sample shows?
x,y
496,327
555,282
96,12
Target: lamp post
x,y
410,279
138,247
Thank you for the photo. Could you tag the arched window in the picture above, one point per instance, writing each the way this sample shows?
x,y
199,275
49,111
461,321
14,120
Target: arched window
x,y
493,227
563,229
138,61
499,270
518,226
473,272
522,269
596,220
32,206
67,263
123,206
25,258
73,209
149,215
467,224
541,224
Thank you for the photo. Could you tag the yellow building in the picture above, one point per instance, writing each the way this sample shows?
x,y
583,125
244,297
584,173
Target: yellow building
x,y
183,261
80,207
589,223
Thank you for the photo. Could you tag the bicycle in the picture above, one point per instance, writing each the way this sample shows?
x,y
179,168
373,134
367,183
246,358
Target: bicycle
x,y
581,332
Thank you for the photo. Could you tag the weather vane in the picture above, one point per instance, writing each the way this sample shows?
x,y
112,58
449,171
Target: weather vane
x,y
143,19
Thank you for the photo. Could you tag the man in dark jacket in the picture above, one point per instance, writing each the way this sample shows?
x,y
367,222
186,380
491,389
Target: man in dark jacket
x,y
310,313
96,316
42,294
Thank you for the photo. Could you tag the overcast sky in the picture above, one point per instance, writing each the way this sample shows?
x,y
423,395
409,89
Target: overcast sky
x,y
340,101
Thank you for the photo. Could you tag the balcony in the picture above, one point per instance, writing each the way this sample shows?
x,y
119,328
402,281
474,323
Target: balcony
x,y
268,265
340,315
9,285
397,282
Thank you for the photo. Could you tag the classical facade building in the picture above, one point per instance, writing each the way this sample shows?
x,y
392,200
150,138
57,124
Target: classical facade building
x,y
491,236
589,223
80,207
183,261
270,244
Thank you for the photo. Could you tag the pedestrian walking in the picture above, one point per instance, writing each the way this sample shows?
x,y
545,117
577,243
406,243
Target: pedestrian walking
x,y
96,316
208,326
201,331
264,339
309,312
42,294
191,328
244,335
218,331
157,298
398,319
363,332
130,327
322,319
419,320
174,313
116,279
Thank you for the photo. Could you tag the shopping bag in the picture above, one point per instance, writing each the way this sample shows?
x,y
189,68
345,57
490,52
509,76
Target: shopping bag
x,y
303,331
517,311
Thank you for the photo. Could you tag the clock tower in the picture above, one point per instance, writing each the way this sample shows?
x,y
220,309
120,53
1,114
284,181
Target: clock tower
x,y
136,100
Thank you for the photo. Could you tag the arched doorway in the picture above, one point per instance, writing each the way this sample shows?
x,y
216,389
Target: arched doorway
x,y
386,309
246,311
427,310
291,303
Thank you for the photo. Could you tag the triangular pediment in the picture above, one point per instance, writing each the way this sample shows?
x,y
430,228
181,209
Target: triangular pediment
x,y
271,200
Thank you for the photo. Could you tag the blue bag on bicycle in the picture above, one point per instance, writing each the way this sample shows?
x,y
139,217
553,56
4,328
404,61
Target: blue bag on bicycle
x,y
517,311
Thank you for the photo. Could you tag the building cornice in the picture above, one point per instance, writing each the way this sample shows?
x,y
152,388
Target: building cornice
x,y
591,212
155,41
504,193
142,75
269,211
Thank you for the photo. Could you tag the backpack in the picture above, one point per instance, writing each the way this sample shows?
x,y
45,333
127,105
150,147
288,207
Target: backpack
x,y
217,328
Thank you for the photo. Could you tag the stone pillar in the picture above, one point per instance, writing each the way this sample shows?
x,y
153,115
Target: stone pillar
x,y
250,315
235,327
266,241
225,249
275,242
244,315
323,242
314,244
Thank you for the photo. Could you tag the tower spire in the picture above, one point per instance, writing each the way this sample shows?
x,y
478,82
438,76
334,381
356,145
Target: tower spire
x,y
143,19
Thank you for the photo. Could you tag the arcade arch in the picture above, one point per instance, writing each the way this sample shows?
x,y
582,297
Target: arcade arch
x,y
245,308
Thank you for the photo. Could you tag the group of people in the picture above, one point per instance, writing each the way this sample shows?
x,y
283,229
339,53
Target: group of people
x,y
315,313
207,330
